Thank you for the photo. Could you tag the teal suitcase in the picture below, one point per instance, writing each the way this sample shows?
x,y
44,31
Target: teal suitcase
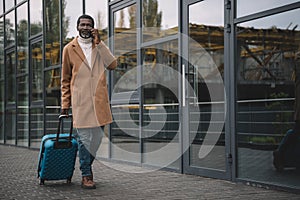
x,y
57,155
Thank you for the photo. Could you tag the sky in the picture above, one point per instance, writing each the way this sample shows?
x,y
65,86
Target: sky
x,y
205,12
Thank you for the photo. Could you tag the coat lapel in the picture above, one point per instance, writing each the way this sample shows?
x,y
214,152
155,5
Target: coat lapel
x,y
79,51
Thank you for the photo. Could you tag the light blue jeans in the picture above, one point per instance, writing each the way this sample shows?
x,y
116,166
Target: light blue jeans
x,y
89,140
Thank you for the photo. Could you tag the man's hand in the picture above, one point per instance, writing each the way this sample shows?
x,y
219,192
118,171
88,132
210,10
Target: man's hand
x,y
96,36
65,112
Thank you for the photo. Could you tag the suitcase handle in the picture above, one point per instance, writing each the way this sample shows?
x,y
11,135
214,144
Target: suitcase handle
x,y
60,118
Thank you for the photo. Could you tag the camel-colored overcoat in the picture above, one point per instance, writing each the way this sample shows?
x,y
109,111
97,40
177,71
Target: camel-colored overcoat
x,y
84,88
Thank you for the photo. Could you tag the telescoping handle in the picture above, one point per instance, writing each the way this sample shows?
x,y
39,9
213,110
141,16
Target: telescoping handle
x,y
60,119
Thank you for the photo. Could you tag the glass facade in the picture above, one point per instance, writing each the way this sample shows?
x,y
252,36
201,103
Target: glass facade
x,y
201,87
267,62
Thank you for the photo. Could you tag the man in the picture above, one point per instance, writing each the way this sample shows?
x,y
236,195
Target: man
x,y
83,83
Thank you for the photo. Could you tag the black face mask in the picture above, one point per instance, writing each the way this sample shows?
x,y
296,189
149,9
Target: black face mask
x,y
85,34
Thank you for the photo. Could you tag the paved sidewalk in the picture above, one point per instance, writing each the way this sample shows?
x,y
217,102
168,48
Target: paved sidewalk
x,y
19,181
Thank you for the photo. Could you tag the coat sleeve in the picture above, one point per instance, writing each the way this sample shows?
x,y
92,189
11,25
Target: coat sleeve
x,y
66,75
110,62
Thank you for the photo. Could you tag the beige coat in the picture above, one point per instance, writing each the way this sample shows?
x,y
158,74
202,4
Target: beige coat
x,y
85,88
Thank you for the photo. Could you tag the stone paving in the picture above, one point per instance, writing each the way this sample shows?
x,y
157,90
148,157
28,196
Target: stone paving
x,y
18,167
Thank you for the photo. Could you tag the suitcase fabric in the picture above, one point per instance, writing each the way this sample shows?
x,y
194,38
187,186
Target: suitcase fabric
x,y
57,155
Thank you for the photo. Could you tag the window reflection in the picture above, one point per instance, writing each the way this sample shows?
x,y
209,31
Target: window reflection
x,y
161,106
52,33
99,13
9,4
37,71
205,73
125,48
23,111
268,59
2,82
1,7
159,18
245,7
36,127
36,16
52,83
71,11
11,78
22,37
126,146
10,28
10,127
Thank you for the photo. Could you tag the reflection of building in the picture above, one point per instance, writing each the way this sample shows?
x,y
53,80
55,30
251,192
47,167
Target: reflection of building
x,y
199,79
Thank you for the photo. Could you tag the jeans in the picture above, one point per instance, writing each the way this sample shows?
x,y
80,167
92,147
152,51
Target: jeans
x,y
89,140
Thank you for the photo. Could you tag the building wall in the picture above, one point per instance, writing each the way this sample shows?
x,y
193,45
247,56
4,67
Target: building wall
x,y
191,74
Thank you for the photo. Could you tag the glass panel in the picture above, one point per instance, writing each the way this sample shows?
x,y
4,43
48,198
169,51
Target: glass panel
x,y
100,15
70,16
36,127
125,133
9,4
245,7
10,127
10,28
37,71
160,18
19,1
52,33
161,105
52,113
1,7
2,82
52,84
268,65
36,16
125,138
124,30
206,87
22,45
11,78
23,112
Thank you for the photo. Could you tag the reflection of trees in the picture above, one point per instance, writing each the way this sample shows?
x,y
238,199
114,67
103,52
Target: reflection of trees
x,y
22,45
53,30
132,16
151,18
267,54
10,31
22,33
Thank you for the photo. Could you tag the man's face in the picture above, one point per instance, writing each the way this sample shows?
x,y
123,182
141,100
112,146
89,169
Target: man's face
x,y
84,28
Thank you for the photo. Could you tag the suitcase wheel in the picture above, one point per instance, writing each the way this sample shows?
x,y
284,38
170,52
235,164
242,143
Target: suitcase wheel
x,y
42,182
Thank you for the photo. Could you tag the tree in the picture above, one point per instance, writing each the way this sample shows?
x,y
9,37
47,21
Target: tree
x,y
121,20
151,18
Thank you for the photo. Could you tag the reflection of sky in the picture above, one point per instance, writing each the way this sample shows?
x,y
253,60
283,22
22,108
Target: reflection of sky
x,y
282,21
205,12
92,7
246,7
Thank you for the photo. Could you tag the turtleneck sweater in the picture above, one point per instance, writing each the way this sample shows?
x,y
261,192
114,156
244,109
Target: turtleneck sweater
x,y
86,46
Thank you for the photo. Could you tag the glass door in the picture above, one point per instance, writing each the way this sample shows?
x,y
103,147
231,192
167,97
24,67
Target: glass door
x,y
203,89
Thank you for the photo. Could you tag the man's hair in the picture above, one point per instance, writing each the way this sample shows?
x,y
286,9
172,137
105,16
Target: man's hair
x,y
84,16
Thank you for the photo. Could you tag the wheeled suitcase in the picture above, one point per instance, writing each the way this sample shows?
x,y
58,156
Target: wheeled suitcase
x,y
57,155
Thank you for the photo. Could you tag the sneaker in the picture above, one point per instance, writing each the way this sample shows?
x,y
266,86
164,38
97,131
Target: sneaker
x,y
88,183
